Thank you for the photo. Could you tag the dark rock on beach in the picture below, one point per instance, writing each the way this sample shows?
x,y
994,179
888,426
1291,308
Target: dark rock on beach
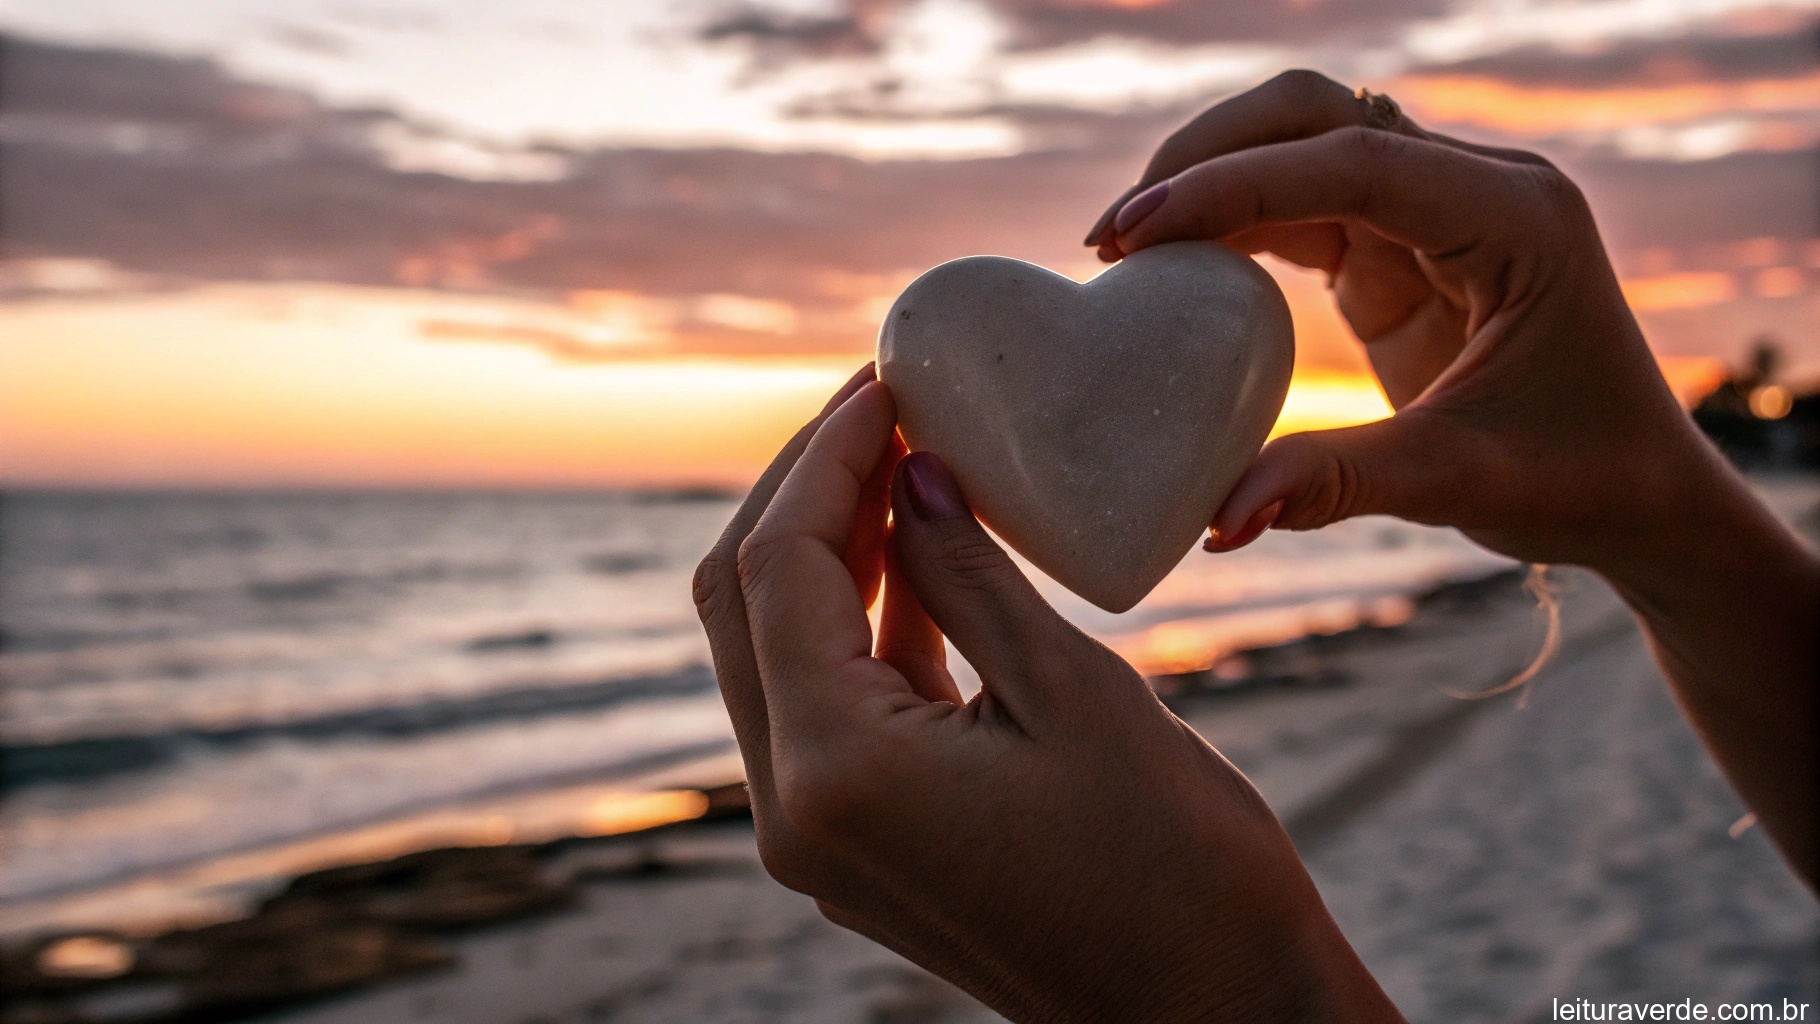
x,y
325,932
219,972
434,889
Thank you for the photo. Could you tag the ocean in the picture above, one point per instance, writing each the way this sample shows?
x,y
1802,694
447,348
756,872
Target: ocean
x,y
195,676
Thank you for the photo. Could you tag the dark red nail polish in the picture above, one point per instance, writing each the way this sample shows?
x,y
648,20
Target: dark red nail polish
x,y
1254,528
932,490
1141,205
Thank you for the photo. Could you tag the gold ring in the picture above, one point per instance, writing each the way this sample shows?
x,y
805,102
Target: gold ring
x,y
1380,110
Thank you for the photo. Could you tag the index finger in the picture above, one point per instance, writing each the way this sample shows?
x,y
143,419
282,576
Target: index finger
x,y
807,617
1424,195
1293,105
722,607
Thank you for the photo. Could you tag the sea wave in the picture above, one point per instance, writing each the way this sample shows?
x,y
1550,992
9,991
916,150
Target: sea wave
x,y
25,764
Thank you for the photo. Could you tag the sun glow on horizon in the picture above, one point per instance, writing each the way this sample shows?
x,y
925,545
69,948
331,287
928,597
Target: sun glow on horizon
x,y
225,387
315,385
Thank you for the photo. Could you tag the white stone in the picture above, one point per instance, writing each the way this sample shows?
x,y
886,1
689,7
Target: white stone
x,y
1096,427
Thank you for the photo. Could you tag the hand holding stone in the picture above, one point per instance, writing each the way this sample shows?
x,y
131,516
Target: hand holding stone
x,y
1060,846
1530,412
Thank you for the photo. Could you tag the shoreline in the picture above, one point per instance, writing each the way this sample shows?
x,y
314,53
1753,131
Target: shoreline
x,y
364,919
1245,655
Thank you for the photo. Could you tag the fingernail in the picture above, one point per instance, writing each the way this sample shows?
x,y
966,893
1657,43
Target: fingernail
x,y
1105,221
1140,206
1254,527
866,375
933,492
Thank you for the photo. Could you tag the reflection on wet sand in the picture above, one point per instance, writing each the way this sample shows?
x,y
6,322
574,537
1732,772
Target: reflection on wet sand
x,y
1210,642
222,888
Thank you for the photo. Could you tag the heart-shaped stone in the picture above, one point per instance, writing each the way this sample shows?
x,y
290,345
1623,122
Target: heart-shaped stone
x,y
1095,427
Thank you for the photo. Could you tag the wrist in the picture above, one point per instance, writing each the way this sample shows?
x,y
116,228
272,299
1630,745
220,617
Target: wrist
x,y
1701,533
1312,977
1342,990
1729,598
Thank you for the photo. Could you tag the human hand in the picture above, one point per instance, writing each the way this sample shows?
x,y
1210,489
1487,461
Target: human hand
x,y
1530,413
1061,846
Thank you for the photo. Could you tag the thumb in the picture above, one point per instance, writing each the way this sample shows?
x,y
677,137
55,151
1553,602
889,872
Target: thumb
x,y
976,595
1411,466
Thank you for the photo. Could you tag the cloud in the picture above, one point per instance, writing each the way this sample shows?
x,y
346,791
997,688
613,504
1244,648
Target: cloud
x,y
777,37
1705,58
170,169
1650,203
311,40
861,26
1045,23
165,171
1727,86
1603,117
1733,81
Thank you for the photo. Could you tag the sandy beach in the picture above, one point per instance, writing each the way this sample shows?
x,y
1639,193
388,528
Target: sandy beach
x,y
1484,858
1567,840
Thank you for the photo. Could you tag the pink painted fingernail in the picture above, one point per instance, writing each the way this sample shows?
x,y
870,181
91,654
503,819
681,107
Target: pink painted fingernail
x,y
1141,205
933,492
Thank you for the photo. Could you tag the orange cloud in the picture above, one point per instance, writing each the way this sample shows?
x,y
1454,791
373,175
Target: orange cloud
x,y
1692,378
1536,111
1687,290
1778,282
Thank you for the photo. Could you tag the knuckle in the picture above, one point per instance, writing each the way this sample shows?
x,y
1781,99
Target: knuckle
x,y
1553,207
1560,188
830,805
710,584
1370,145
1332,488
1173,153
756,552
1561,195
899,651
786,863
1533,159
1092,662
1302,82
970,559
1338,488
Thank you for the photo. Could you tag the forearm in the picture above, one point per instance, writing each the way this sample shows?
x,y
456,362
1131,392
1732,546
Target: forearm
x,y
1730,600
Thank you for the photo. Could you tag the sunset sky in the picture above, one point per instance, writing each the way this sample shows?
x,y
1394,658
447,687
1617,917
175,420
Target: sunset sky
x,y
557,243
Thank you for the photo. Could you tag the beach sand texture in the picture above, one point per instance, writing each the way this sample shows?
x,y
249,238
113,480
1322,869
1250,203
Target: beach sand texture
x,y
1484,858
